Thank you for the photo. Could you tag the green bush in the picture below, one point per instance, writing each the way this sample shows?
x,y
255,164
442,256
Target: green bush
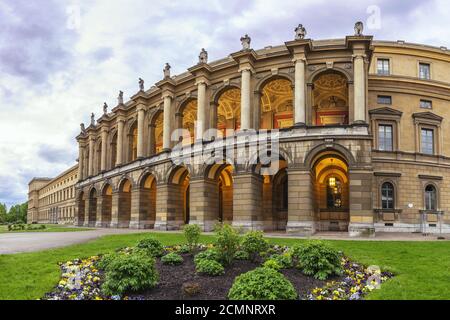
x,y
192,234
152,246
16,227
172,259
315,258
262,284
227,243
130,273
210,254
273,264
254,243
209,267
36,227
105,260
284,260
241,255
184,249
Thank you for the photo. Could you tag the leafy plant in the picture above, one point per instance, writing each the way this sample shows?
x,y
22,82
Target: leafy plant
x,y
273,264
284,260
241,255
210,254
254,243
209,267
192,234
227,243
184,249
316,258
152,246
262,284
130,273
172,259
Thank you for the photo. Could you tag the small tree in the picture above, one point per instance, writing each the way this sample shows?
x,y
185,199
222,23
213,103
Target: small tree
x,y
227,243
192,233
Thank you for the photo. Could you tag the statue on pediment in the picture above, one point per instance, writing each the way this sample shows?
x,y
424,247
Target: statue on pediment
x,y
141,84
83,128
166,71
203,57
120,97
105,108
246,41
359,28
300,32
92,119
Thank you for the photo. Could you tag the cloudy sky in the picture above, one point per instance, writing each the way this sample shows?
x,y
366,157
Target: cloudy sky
x,y
61,60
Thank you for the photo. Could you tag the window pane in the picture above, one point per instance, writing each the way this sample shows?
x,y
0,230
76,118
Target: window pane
x,y
384,99
424,71
383,66
427,141
387,196
385,141
425,104
430,198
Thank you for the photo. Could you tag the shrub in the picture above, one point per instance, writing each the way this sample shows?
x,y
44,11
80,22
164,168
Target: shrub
x,y
16,227
210,254
227,243
129,273
209,267
273,264
36,227
315,258
241,255
184,249
152,246
192,233
284,260
254,243
262,284
172,259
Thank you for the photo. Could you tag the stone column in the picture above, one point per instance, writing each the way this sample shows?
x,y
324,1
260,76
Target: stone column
x,y
359,89
104,148
204,203
300,203
247,201
300,92
119,153
142,216
80,163
140,137
201,110
361,209
91,157
115,209
245,99
169,207
167,121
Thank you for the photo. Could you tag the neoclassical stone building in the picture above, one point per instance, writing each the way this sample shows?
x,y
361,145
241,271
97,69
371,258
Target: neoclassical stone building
x,y
361,142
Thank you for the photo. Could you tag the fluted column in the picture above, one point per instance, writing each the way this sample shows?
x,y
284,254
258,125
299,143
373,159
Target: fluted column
x,y
300,93
104,148
80,163
201,109
167,121
140,137
245,99
359,88
119,153
91,157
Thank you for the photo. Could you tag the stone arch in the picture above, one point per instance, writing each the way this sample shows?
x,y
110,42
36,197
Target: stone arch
x,y
145,195
81,205
221,90
106,205
282,154
186,116
144,175
92,208
184,102
156,130
226,112
178,183
324,148
314,75
123,202
271,77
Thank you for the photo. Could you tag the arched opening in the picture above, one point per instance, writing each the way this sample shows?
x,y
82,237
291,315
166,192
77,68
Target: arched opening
x,y
229,111
222,205
92,217
387,196
157,129
81,208
179,197
132,143
106,206
277,107
331,188
147,202
188,119
124,204
430,198
113,148
330,99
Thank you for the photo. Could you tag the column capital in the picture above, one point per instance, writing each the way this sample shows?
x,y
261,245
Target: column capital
x,y
202,80
359,56
141,107
167,94
246,67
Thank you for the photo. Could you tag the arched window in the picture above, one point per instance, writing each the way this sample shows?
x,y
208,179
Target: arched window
x,y
387,196
430,197
334,193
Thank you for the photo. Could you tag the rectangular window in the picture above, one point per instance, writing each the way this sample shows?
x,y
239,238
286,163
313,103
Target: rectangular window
x,y
385,140
424,71
383,67
427,141
384,100
426,104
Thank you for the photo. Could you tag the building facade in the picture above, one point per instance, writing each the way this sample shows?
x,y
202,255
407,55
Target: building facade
x,y
53,200
360,124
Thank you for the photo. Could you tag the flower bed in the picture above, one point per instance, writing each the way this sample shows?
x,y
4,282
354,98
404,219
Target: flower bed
x,y
82,280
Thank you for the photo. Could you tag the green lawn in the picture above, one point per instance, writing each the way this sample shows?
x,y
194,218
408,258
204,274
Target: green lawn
x,y
49,228
422,268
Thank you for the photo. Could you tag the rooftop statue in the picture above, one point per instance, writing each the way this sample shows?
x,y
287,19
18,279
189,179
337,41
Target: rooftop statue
x,y
120,97
203,57
83,128
92,119
300,32
166,71
359,28
246,41
141,84
105,108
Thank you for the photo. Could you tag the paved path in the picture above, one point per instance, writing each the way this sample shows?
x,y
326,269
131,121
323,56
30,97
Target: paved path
x,y
37,241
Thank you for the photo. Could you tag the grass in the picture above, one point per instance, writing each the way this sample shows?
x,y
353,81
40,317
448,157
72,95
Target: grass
x,y
48,228
422,268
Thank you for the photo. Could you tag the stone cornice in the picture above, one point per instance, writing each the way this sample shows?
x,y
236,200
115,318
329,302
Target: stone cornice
x,y
386,111
427,116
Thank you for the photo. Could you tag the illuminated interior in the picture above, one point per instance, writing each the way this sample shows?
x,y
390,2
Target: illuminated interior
x,y
229,111
277,105
188,123
159,128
